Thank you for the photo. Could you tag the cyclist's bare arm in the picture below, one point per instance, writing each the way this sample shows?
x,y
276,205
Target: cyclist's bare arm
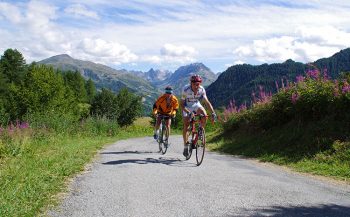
x,y
205,99
183,106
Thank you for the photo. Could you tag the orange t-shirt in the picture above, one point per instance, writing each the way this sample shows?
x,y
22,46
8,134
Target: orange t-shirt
x,y
166,104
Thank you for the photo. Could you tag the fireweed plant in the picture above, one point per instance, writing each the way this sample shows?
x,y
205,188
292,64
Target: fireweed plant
x,y
13,138
310,97
305,124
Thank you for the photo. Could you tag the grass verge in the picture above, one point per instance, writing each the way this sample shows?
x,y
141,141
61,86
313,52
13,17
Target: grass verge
x,y
30,180
309,148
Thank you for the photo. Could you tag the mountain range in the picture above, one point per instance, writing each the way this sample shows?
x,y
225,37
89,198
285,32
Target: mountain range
x,y
236,83
148,84
239,81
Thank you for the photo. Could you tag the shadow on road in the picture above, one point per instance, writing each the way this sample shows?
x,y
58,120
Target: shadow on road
x,y
321,210
128,152
160,160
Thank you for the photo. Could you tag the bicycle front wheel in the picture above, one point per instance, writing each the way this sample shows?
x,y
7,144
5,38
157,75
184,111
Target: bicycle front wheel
x,y
160,138
164,140
190,137
200,146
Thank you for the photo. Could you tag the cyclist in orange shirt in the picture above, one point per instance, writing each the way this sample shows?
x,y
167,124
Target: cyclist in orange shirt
x,y
167,104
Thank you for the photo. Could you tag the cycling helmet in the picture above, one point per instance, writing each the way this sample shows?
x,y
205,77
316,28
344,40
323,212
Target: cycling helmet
x,y
169,90
196,78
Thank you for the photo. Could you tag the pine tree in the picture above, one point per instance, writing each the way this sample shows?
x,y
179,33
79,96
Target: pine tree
x,y
105,104
13,66
90,90
130,107
76,82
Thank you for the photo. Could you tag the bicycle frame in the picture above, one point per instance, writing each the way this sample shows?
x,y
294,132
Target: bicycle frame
x,y
193,123
162,120
196,136
163,131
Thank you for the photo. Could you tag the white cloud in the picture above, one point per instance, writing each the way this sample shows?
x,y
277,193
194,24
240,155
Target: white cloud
x,y
105,51
39,15
153,59
309,52
197,30
40,37
177,51
181,53
79,10
274,49
309,44
324,35
10,12
238,62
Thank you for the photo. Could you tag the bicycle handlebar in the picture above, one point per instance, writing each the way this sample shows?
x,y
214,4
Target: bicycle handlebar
x,y
163,116
200,116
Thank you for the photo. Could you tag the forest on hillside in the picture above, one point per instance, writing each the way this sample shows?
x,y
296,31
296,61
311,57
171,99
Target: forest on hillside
x,y
30,91
240,82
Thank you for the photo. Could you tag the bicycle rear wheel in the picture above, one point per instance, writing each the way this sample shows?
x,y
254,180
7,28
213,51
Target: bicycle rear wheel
x,y
160,137
200,146
164,140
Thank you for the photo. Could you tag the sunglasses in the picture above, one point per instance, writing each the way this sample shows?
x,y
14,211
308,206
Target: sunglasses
x,y
196,83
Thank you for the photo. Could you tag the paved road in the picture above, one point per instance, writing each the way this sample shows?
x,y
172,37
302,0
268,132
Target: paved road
x,y
129,178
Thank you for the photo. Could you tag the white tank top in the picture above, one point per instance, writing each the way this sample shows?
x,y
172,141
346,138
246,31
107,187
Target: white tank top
x,y
191,98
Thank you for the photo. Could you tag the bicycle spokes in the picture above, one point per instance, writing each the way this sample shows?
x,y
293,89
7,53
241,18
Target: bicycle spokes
x,y
163,139
200,146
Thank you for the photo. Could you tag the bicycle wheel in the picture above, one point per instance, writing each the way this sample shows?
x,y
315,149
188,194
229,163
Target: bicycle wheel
x,y
160,138
200,146
190,137
164,140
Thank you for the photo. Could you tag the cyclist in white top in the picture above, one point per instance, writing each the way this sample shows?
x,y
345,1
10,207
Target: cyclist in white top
x,y
192,94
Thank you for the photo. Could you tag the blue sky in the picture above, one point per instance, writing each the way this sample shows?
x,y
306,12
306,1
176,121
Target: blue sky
x,y
166,34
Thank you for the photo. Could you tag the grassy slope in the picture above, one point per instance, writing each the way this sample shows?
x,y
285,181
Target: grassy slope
x,y
30,181
306,148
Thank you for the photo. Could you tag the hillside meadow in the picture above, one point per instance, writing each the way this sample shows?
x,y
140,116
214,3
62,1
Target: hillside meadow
x,y
52,123
305,125
35,163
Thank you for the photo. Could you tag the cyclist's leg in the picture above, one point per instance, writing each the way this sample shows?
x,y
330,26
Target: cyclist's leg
x,y
167,124
201,110
156,127
186,122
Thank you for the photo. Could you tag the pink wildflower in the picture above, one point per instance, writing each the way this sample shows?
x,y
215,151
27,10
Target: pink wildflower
x,y
295,97
287,83
262,93
346,88
336,88
11,127
313,73
277,87
24,125
325,75
253,96
300,78
242,107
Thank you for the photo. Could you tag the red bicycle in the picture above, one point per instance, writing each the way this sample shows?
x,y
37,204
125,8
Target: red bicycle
x,y
197,138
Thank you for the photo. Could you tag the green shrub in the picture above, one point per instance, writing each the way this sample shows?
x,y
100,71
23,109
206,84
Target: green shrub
x,y
99,126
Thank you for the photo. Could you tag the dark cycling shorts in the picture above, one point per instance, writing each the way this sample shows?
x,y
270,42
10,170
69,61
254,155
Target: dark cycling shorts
x,y
166,117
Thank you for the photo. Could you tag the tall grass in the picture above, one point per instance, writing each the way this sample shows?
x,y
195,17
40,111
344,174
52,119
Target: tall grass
x,y
305,125
36,160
